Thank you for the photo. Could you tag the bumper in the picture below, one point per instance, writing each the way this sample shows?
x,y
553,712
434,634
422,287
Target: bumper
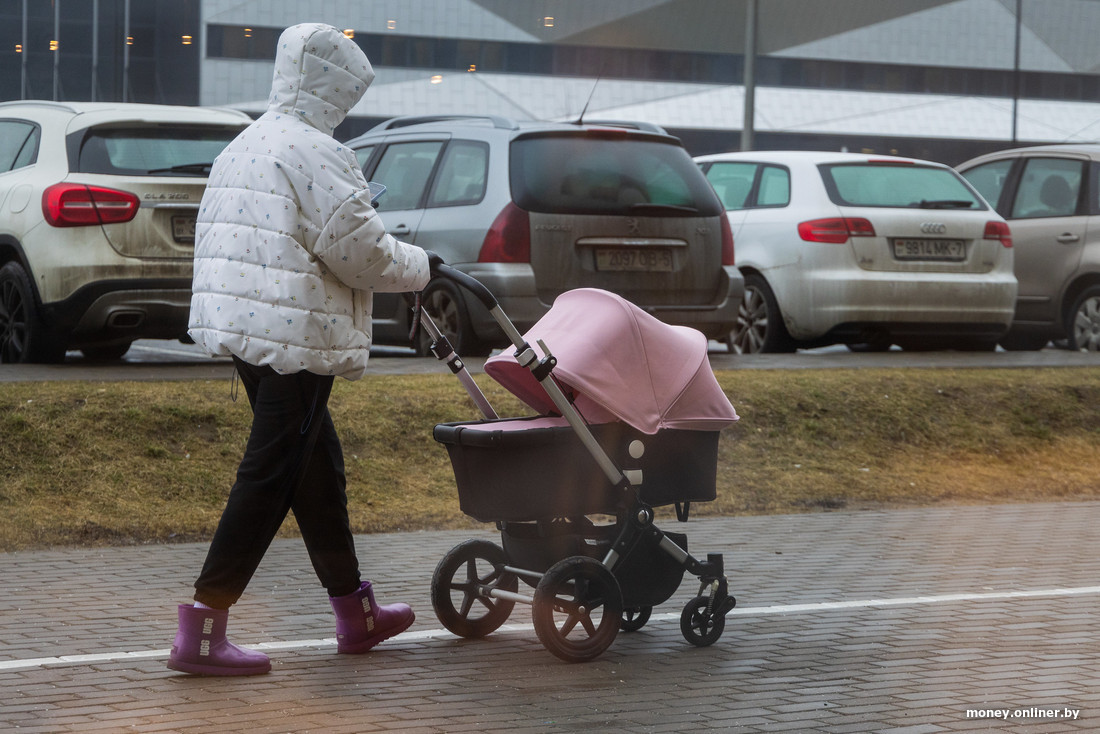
x,y
975,304
514,287
120,311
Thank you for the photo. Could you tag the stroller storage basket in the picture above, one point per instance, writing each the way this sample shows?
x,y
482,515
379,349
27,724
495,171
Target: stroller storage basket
x,y
537,468
647,575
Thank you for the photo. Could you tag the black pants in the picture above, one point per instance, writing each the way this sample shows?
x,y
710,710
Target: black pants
x,y
293,461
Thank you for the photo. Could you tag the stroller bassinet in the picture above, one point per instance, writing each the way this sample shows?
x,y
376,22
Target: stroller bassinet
x,y
628,418
559,476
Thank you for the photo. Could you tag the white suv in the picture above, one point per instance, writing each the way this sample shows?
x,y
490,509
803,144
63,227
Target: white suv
x,y
97,222
532,209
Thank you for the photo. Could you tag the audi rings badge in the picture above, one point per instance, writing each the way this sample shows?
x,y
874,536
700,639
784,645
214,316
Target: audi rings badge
x,y
933,228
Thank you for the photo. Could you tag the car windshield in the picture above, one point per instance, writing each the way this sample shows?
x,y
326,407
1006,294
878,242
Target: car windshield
x,y
897,185
595,173
159,151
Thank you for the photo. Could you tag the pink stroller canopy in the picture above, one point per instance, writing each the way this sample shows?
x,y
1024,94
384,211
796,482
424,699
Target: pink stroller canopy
x,y
620,363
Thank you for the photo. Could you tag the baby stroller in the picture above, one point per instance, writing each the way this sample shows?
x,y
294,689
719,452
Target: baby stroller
x,y
628,419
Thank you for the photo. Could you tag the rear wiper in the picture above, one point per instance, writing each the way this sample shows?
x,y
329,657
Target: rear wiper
x,y
664,208
201,169
945,204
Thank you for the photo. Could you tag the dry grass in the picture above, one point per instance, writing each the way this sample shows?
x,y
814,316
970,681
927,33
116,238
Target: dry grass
x,y
115,463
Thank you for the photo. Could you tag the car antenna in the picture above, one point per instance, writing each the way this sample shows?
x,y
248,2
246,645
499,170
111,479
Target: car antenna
x,y
599,75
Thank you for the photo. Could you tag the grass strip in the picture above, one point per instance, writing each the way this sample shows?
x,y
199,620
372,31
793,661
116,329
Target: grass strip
x,y
89,463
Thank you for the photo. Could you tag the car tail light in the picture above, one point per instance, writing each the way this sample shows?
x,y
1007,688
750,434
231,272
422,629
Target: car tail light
x,y
836,230
727,241
77,205
509,238
998,231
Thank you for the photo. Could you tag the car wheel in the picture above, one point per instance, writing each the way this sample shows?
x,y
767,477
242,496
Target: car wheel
x,y
1084,321
444,303
1016,342
760,326
23,337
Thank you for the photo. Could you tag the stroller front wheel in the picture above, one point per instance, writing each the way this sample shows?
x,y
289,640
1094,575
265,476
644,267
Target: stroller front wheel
x,y
700,624
635,618
461,586
577,609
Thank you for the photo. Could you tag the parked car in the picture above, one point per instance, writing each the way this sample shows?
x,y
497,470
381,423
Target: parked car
x,y
97,222
532,209
1050,196
868,251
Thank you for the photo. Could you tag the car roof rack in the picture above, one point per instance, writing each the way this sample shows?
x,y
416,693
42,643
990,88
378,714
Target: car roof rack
x,y
406,120
39,103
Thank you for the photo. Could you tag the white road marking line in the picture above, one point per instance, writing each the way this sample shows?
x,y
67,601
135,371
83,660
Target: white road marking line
x,y
417,635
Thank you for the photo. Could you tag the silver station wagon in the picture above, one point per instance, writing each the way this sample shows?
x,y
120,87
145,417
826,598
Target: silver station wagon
x,y
868,251
1050,196
532,209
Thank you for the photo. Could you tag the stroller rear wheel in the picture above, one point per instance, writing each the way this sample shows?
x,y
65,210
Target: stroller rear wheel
x,y
461,584
577,609
635,618
700,623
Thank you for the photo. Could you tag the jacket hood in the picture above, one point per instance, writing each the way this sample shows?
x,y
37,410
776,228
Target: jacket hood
x,y
319,75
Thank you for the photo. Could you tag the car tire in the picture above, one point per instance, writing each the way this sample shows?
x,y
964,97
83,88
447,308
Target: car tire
x,y
1017,342
760,327
23,336
446,305
1083,325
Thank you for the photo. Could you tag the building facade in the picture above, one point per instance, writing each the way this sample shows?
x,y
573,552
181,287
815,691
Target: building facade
x,y
940,79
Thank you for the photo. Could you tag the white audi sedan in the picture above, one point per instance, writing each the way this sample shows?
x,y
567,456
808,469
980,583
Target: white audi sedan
x,y
864,250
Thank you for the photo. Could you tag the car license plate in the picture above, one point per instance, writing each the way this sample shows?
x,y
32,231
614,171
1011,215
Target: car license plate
x,y
919,249
635,259
183,228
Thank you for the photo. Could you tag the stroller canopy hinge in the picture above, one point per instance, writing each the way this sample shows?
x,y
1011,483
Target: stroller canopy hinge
x,y
543,369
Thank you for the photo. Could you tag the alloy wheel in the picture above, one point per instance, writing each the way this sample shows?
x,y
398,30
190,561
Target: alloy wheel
x,y
1086,325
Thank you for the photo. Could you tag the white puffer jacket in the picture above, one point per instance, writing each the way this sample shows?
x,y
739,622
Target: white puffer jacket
x,y
287,246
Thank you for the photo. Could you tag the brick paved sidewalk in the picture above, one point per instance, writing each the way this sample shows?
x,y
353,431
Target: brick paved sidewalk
x,y
897,621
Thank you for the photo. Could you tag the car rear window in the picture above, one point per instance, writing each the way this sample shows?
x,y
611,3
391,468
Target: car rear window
x,y
152,151
898,185
618,174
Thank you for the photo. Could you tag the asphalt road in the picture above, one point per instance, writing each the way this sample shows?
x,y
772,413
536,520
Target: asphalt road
x,y
170,360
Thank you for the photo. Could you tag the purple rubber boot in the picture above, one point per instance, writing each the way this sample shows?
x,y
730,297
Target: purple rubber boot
x,y
361,624
201,648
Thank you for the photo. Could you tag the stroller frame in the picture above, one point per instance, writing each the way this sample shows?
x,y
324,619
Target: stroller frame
x,y
578,603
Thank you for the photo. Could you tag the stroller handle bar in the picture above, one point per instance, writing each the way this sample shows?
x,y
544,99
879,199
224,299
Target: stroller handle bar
x,y
483,294
468,282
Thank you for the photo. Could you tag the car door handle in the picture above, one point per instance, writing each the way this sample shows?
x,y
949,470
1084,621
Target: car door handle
x,y
1067,238
401,229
